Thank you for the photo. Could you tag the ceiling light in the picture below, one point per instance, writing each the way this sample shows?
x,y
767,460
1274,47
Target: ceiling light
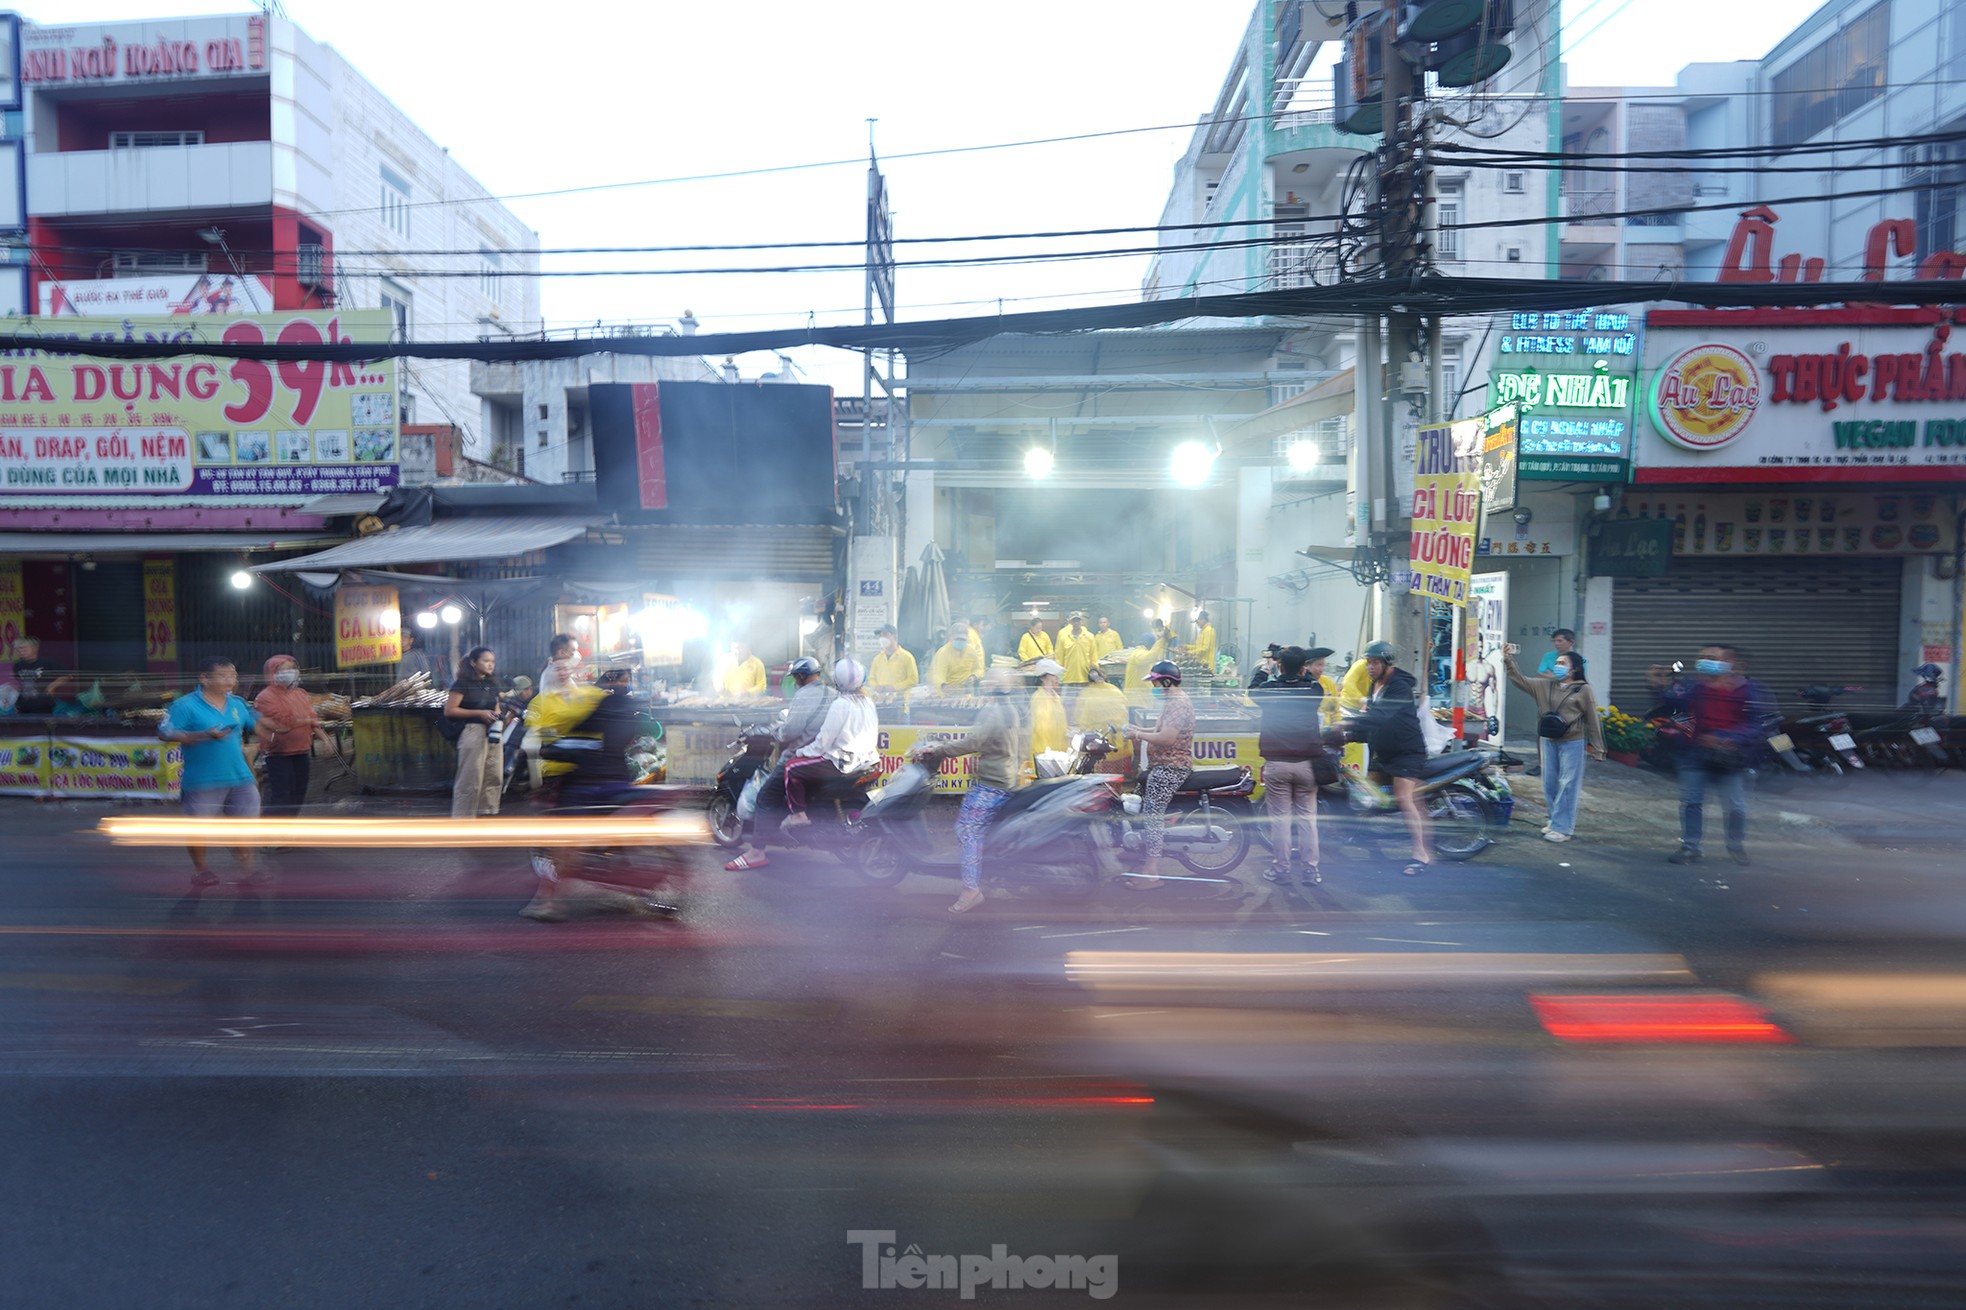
x,y
1038,461
1192,462
1303,456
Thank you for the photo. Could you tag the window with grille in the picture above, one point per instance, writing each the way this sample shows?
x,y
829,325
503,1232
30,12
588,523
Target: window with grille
x,y
1515,184
155,140
1833,80
491,264
395,203
1447,234
396,301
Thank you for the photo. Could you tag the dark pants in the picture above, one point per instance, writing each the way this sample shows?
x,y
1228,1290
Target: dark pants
x,y
286,784
805,777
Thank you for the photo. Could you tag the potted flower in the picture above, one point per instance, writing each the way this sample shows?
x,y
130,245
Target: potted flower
x,y
1626,738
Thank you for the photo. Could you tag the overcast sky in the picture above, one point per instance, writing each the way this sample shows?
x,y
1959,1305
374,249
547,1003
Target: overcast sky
x,y
535,97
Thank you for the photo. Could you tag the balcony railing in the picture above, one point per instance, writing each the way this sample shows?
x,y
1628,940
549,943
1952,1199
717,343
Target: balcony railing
x,y
1587,206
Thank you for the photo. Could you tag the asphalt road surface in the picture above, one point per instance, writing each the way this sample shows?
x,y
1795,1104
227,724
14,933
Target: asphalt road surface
x,y
370,1082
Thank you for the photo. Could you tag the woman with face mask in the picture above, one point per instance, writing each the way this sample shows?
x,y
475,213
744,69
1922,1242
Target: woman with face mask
x,y
893,672
1564,701
291,728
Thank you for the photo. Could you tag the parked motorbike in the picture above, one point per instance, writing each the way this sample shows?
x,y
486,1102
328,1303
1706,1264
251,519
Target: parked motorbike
x,y
1208,819
1915,743
1824,737
1042,839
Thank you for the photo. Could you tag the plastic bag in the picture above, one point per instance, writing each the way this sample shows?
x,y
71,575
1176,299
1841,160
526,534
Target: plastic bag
x,y
1437,735
747,800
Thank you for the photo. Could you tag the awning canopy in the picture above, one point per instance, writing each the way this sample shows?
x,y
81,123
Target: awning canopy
x,y
1335,396
449,539
352,502
147,543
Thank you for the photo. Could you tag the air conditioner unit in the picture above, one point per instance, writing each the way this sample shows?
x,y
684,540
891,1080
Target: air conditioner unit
x,y
311,264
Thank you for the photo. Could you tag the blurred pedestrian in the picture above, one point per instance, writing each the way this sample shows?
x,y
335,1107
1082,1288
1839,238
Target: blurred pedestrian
x,y
994,741
562,663
1102,709
1292,747
473,701
1732,717
211,725
1565,704
1390,725
290,729
1170,758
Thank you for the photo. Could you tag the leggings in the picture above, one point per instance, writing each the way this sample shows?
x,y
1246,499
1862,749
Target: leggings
x,y
1163,780
972,822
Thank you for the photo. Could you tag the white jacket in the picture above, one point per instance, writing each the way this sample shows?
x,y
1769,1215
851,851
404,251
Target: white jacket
x,y
850,737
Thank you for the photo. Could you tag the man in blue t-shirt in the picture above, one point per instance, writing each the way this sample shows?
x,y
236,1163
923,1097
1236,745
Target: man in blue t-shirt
x,y
211,724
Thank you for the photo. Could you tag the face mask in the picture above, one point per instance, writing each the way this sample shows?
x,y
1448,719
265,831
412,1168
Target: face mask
x,y
287,677
1712,668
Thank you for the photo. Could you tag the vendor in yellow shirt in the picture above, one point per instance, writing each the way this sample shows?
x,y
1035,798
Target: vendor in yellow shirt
x,y
1202,649
1106,640
1075,650
1144,655
1048,730
1102,709
893,672
744,679
1035,644
957,664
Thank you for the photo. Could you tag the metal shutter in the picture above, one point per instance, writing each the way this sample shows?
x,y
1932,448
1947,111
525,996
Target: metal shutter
x,y
109,633
738,553
1799,621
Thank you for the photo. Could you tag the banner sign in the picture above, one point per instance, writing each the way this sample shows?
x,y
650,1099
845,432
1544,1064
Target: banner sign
x,y
13,607
83,766
293,430
160,614
180,296
368,626
1446,508
1498,461
1839,524
1212,751
1573,374
1488,606
23,766
1632,548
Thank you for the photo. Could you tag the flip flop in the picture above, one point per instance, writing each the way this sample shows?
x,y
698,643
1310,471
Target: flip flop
x,y
1415,868
743,862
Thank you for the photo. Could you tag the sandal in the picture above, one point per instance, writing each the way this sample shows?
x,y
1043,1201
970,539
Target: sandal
x,y
795,821
204,878
1133,882
969,900
1415,868
743,862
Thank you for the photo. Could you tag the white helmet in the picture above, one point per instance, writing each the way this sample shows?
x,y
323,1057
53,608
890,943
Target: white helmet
x,y
848,675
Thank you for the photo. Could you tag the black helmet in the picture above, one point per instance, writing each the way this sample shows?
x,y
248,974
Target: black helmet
x,y
804,666
1383,650
1928,673
1165,671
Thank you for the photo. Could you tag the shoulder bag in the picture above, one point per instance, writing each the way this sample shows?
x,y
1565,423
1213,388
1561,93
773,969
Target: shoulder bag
x,y
1553,725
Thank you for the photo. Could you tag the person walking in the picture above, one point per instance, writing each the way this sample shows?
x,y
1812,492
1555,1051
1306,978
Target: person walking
x,y
1390,724
1564,703
1170,758
1292,746
288,747
211,725
1732,716
473,703
994,743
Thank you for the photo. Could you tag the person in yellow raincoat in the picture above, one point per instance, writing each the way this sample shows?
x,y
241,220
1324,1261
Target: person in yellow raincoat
x,y
1202,649
1075,650
745,678
1048,730
1106,640
893,672
1102,709
1142,657
958,663
1035,644
1353,694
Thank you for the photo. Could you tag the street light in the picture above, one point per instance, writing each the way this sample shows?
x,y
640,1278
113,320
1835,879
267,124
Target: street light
x,y
242,579
1038,462
1192,462
426,620
451,614
1303,455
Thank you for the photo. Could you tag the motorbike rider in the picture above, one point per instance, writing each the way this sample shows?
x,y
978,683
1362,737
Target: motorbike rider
x,y
848,743
1389,724
1170,759
802,721
596,776
1733,716
994,742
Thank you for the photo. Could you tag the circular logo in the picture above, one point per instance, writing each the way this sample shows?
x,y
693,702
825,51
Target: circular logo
x,y
1705,397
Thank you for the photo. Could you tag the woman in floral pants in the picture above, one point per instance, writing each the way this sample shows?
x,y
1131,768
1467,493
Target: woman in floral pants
x,y
994,743
1170,758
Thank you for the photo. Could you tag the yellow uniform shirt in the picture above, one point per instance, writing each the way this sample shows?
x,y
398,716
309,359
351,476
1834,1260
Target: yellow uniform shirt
x,y
1107,643
895,672
1033,646
1102,709
1076,654
1202,649
1048,731
746,679
1328,707
1137,664
1357,688
951,668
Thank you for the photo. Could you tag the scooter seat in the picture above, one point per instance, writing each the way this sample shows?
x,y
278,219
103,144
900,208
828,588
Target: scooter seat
x,y
1211,779
1443,766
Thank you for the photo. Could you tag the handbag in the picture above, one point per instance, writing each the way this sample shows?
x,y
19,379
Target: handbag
x,y
1324,769
1553,725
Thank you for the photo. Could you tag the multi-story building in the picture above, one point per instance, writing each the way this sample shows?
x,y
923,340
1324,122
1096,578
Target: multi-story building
x,y
238,146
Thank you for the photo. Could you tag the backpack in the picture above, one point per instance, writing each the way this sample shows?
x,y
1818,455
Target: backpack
x,y
1553,725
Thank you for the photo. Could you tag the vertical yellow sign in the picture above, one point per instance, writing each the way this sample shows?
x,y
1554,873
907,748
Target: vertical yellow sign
x,y
13,607
160,614
367,626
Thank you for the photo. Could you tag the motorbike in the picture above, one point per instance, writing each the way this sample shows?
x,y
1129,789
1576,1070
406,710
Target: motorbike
x,y
1466,797
1043,839
1824,737
645,880
750,753
1208,819
1915,744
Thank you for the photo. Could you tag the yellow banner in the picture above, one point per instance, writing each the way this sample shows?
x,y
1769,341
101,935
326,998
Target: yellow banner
x,y
1211,752
90,766
1446,508
160,612
13,607
72,425
23,766
368,626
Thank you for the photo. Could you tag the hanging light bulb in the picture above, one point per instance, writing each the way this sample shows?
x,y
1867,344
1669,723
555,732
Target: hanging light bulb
x,y
1038,461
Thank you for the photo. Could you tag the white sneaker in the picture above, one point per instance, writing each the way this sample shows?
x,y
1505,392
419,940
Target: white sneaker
x,y
1553,835
1545,830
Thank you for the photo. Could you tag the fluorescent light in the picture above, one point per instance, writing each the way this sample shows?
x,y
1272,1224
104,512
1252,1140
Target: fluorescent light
x,y
1038,461
1192,462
